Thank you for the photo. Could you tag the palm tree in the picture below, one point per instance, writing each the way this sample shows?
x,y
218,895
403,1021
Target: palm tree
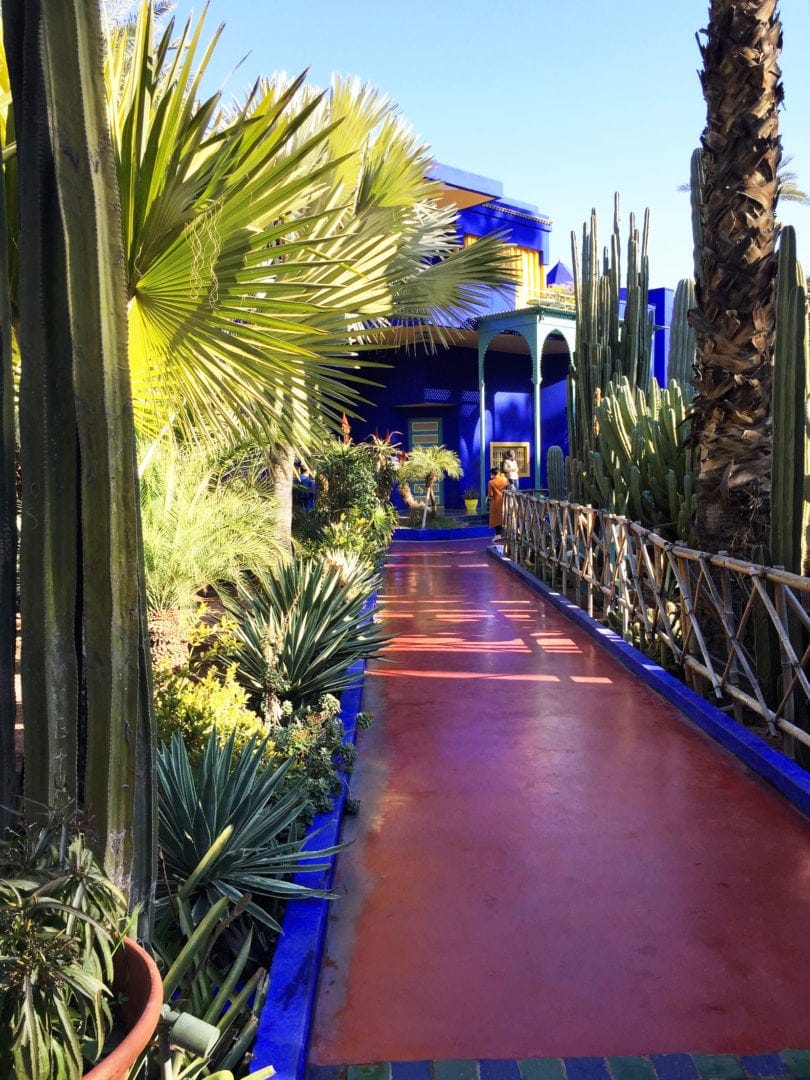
x,y
788,188
427,465
264,242
734,316
268,245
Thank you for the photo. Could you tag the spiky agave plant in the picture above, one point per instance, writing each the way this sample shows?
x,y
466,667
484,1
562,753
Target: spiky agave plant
x,y
302,627
227,830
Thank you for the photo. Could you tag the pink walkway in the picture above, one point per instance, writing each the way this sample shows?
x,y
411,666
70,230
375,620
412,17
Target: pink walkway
x,y
550,860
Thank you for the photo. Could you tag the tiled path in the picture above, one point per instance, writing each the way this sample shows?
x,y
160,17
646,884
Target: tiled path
x,y
554,874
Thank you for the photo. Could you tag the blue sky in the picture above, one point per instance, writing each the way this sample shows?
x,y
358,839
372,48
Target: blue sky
x,y
563,103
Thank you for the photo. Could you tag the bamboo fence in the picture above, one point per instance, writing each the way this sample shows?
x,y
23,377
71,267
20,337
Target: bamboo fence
x,y
733,630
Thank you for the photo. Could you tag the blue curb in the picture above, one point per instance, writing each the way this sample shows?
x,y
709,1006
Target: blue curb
x,y
470,532
282,1038
785,775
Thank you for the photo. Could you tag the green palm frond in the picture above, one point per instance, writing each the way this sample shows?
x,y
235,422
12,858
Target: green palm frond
x,y
264,240
239,280
426,461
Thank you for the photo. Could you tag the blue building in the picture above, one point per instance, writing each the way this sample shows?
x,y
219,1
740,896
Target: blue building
x,y
502,384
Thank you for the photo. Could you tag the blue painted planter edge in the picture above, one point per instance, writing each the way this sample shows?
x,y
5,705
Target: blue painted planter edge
x,y
785,775
282,1037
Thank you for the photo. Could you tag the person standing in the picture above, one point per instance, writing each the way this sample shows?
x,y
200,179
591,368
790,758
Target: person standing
x,y
495,489
304,489
510,468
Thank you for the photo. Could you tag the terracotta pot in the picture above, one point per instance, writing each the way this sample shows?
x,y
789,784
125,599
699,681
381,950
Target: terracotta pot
x,y
471,505
137,980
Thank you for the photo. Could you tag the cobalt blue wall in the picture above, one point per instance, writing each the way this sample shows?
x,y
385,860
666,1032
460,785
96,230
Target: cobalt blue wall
x,y
521,225
518,221
421,385
553,408
661,300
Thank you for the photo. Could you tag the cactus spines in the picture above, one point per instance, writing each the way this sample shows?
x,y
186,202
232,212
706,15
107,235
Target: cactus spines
x,y
85,670
555,471
611,343
642,453
791,371
681,359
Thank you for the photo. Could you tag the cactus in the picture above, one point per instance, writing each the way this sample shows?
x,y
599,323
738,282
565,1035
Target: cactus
x,y
642,469
625,433
607,347
789,508
85,668
681,359
555,471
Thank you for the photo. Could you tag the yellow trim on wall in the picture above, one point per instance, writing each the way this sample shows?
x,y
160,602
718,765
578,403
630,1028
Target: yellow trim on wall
x,y
530,270
531,275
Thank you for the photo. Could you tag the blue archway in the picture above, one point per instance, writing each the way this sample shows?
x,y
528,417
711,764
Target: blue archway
x,y
536,325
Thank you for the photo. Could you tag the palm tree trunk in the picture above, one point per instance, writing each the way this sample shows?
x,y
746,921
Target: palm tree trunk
x,y
282,458
734,316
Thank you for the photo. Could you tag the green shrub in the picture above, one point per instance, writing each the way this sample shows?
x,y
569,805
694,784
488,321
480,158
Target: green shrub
x,y
311,736
192,706
198,530
206,695
347,479
61,918
363,535
353,511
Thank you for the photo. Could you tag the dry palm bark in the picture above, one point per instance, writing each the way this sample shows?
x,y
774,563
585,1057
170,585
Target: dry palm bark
x,y
734,316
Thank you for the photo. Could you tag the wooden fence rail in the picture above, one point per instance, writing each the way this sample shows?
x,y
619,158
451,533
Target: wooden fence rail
x,y
740,630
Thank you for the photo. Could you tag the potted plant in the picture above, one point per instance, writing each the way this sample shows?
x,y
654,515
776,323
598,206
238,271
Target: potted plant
x,y
471,499
73,984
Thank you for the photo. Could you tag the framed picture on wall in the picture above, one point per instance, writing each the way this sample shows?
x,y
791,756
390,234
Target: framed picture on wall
x,y
499,450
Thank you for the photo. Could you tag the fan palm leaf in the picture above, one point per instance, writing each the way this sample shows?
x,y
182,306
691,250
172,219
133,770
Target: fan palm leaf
x,y
241,286
266,242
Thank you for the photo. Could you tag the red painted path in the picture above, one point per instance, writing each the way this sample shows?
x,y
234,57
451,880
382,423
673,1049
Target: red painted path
x,y
550,860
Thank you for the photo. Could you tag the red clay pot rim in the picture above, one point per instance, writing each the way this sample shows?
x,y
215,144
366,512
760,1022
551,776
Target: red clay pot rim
x,y
117,1064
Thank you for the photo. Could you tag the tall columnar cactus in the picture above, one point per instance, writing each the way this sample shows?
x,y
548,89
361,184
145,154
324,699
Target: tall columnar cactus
x,y
642,469
555,471
681,359
85,662
791,395
608,347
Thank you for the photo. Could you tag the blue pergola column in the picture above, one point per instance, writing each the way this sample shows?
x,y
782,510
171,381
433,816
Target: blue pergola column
x,y
534,325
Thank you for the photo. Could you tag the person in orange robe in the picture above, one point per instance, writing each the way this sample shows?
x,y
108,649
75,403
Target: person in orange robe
x,y
495,489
